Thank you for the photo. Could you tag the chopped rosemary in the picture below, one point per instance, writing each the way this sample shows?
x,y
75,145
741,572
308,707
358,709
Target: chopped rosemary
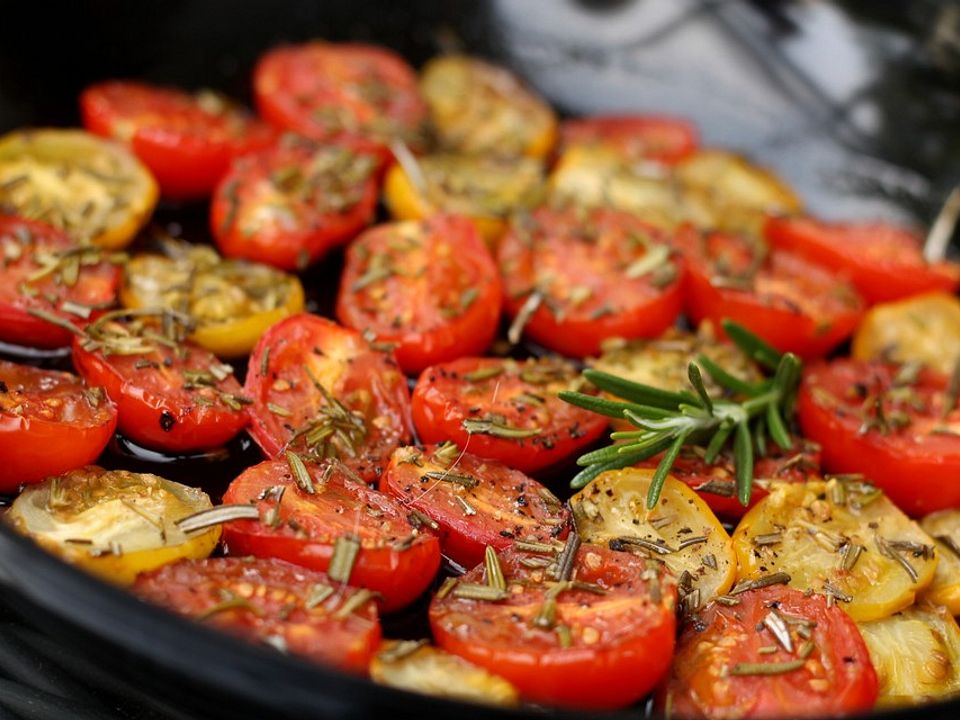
x,y
496,429
229,602
217,516
318,593
849,555
475,591
400,650
535,547
467,508
356,601
485,373
690,541
345,551
655,546
467,481
775,624
529,307
278,410
778,578
448,585
773,668
301,476
494,572
568,556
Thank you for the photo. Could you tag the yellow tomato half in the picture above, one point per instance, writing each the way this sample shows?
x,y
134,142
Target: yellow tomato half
x,y
944,528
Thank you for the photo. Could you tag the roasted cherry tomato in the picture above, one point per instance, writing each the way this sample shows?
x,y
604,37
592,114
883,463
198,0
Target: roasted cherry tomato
x,y
601,639
636,137
429,288
481,108
323,390
592,176
895,424
113,523
170,395
474,502
792,304
486,188
723,191
232,302
841,538
923,328
681,531
882,261
289,205
944,528
771,652
297,610
504,410
95,190
44,271
187,140
415,666
572,283
364,96
49,424
325,518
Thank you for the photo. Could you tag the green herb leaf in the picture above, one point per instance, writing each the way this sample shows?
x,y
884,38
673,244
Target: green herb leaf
x,y
753,346
743,460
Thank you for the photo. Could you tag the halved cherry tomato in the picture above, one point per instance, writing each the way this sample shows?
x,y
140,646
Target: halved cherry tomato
x,y
169,396
93,189
290,204
362,95
49,424
716,483
479,108
474,502
187,140
307,528
271,601
326,392
636,137
730,663
602,640
113,523
232,302
792,304
504,410
882,261
892,423
43,270
429,288
578,282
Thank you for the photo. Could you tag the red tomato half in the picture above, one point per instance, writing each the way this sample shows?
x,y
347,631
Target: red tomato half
x,y
179,399
430,288
475,502
49,424
504,410
363,95
289,205
635,137
323,390
43,270
869,419
187,140
394,558
794,305
598,649
716,484
717,671
609,275
270,601
883,262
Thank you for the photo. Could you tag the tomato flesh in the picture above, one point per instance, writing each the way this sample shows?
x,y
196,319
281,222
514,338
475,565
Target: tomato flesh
x,y
394,559
270,601
42,410
910,449
621,635
636,137
504,410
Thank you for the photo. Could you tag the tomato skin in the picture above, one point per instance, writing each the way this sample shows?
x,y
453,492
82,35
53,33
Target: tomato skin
x,y
193,588
547,250
884,262
720,637
27,436
443,399
361,95
663,139
290,204
792,304
95,285
154,407
506,504
449,259
629,651
187,146
364,380
915,466
339,507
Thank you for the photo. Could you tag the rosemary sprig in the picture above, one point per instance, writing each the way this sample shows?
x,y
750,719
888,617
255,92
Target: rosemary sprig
x,y
666,421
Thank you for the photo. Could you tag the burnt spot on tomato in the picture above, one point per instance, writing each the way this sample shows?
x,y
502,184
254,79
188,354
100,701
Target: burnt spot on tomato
x,y
167,421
